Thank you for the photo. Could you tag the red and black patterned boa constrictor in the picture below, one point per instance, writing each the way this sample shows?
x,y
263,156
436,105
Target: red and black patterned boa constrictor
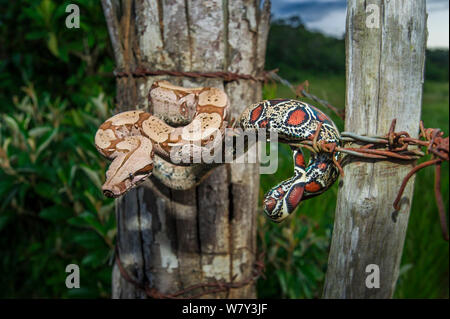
x,y
295,121
135,141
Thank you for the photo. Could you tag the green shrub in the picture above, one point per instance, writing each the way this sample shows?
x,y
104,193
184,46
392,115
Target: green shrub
x,y
56,88
53,96
424,269
53,212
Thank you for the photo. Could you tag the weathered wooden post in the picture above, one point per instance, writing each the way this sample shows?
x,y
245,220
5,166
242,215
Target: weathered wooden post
x,y
175,239
385,50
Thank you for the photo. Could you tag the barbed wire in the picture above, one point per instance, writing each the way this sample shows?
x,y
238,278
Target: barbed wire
x,y
215,287
226,76
301,90
395,145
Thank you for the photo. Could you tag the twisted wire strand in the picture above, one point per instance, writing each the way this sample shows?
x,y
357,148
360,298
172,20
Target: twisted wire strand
x,y
264,76
216,287
226,76
395,145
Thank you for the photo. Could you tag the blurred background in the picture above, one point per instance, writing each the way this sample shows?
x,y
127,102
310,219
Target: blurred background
x,y
57,87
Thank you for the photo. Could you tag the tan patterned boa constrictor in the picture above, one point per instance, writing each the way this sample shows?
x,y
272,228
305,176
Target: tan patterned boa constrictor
x,y
193,121
138,142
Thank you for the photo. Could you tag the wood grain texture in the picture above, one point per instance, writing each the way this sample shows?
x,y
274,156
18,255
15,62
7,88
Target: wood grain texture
x,y
174,239
384,81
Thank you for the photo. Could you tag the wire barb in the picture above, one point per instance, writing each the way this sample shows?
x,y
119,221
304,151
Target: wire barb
x,y
215,287
394,145
226,76
302,91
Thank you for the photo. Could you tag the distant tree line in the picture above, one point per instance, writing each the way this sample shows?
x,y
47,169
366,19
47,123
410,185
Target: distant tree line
x,y
294,50
436,65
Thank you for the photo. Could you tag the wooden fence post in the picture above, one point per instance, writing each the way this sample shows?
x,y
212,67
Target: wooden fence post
x,y
174,239
385,52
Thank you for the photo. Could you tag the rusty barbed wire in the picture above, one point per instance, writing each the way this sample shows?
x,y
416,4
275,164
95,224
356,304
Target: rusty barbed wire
x,y
215,287
258,266
300,91
395,145
226,76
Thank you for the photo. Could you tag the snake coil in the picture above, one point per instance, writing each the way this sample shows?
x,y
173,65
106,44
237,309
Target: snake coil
x,y
191,119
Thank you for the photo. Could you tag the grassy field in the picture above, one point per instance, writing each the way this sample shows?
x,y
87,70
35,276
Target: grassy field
x,y
297,250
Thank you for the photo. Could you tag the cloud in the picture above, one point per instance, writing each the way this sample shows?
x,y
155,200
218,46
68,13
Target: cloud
x,y
332,25
438,29
309,11
433,5
328,17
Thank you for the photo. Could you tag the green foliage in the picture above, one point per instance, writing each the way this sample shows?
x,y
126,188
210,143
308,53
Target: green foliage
x,y
425,264
53,212
56,88
53,97
39,49
436,65
297,249
294,50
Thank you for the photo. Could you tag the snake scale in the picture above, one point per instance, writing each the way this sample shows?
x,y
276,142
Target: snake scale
x,y
193,121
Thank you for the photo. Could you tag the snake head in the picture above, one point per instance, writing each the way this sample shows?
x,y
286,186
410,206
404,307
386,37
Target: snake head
x,y
132,164
282,200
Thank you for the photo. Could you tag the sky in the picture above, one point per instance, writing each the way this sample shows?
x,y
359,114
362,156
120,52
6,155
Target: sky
x,y
328,16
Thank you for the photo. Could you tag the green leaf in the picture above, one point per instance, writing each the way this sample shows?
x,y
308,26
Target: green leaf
x,y
77,119
55,213
61,174
46,190
89,240
282,278
38,131
36,35
95,258
302,233
73,170
5,200
12,124
306,291
100,105
312,272
46,9
88,219
93,176
52,44
46,142
404,269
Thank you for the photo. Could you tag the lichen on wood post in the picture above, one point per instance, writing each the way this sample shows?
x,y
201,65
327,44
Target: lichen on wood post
x,y
174,239
385,52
